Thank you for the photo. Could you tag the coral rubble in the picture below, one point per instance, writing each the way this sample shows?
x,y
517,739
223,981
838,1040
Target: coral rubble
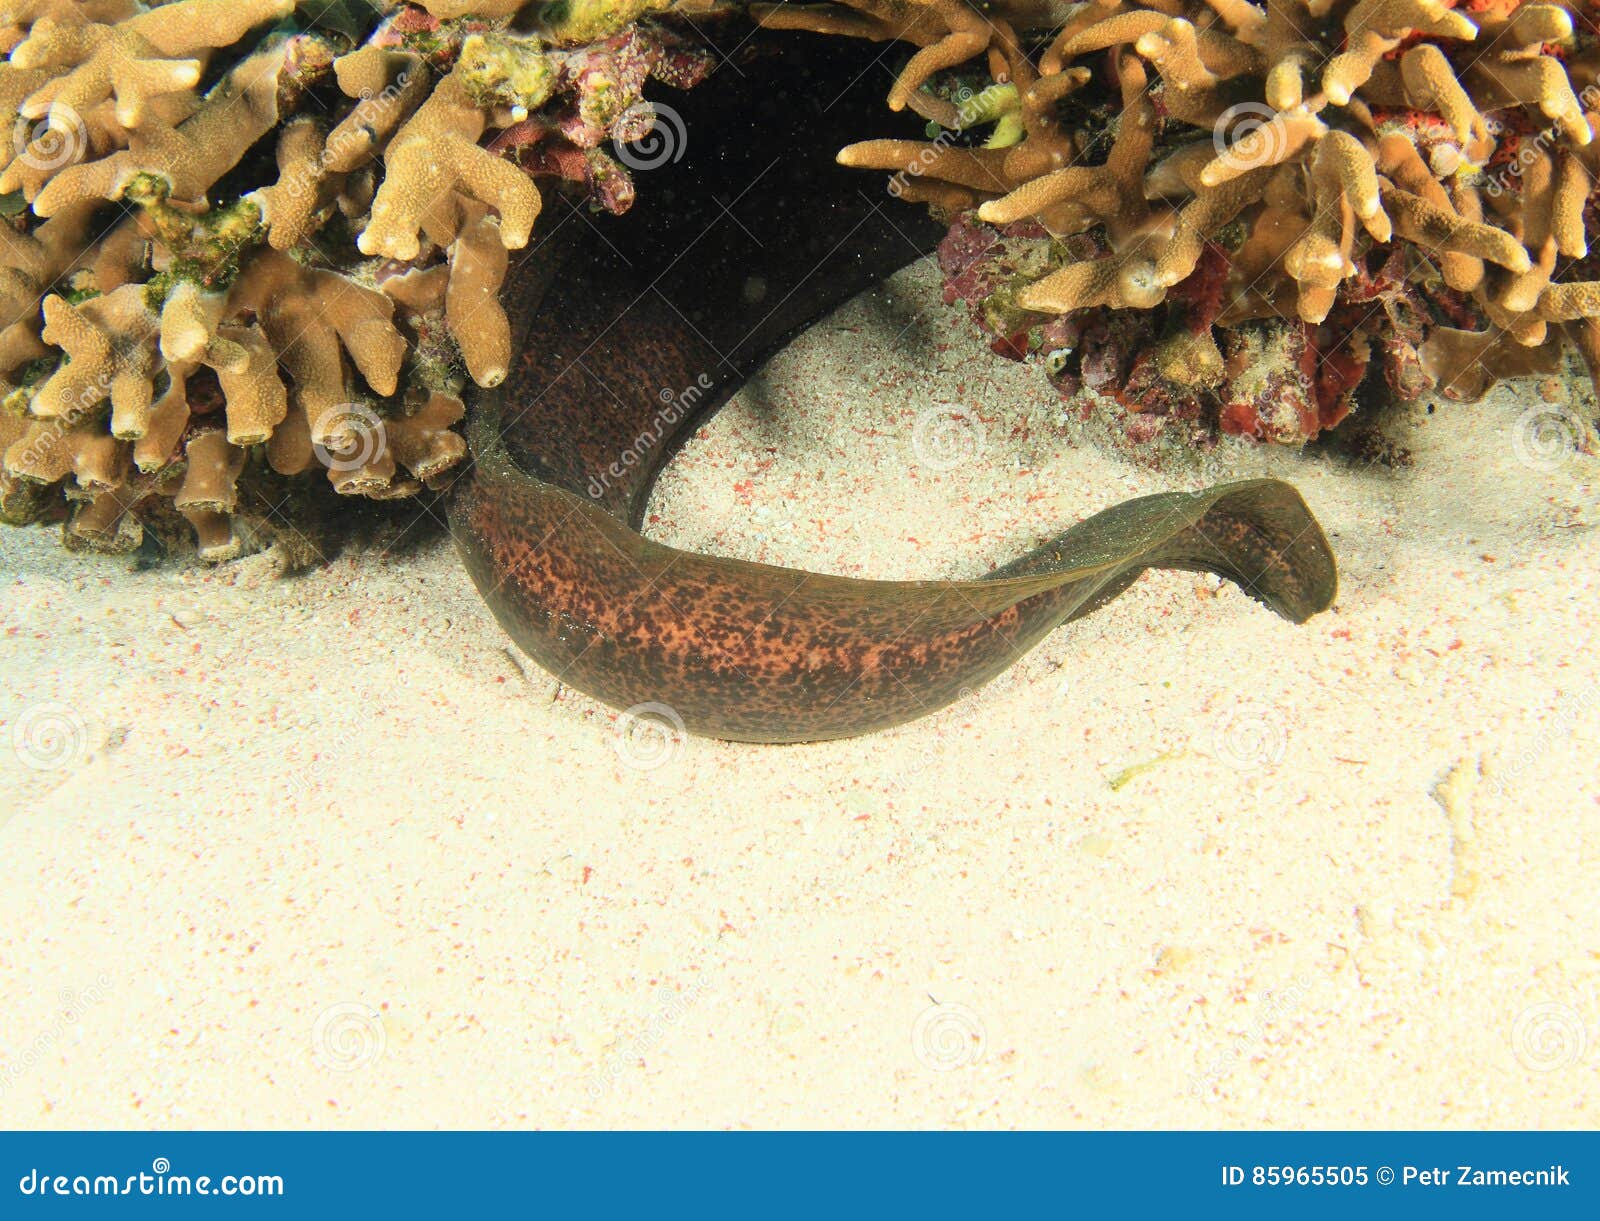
x,y
247,241
1231,214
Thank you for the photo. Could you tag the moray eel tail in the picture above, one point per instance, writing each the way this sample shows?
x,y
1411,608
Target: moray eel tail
x,y
653,321
753,652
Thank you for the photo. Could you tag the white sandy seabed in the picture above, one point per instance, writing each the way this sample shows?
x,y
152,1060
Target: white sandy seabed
x,y
322,851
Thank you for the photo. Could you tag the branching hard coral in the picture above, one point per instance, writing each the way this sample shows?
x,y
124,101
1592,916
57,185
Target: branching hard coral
x,y
136,60
436,155
245,235
250,242
1229,165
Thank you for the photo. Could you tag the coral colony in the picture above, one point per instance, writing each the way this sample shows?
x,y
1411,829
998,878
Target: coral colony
x,y
1234,211
185,330
251,243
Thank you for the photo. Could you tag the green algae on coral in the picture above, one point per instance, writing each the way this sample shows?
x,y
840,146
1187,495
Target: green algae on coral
x,y
502,69
574,21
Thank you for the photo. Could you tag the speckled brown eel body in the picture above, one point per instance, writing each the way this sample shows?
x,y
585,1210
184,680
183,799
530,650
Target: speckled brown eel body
x,y
647,327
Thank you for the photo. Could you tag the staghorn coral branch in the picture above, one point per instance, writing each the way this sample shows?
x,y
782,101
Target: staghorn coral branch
x,y
110,342
1431,84
390,85
472,307
978,169
1122,281
188,329
1274,142
434,154
255,396
311,316
1373,28
289,207
48,452
136,60
1449,132
1570,302
1540,82
18,17
968,35
423,442
1436,229
190,157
